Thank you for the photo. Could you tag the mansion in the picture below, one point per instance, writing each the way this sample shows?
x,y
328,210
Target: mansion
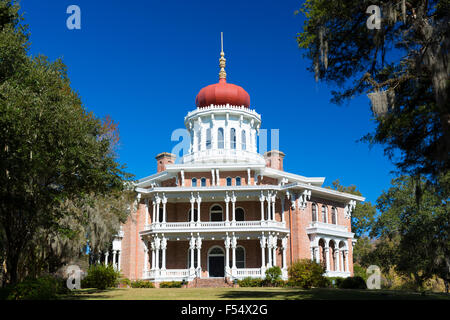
x,y
225,211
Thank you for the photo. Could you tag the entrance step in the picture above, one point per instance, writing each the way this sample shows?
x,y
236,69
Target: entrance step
x,y
210,283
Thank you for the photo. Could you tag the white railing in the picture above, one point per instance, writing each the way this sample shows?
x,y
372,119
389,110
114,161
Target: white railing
x,y
229,154
330,226
215,225
247,272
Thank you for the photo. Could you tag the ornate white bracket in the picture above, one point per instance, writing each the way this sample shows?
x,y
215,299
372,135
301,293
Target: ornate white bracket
x,y
349,208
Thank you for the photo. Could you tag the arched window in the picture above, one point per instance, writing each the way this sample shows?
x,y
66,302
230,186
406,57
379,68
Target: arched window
x,y
324,214
240,257
194,182
243,140
203,182
233,138
229,180
239,214
195,215
208,138
216,213
333,215
220,143
314,212
238,181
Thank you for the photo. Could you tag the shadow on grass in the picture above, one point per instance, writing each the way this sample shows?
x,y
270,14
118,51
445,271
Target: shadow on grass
x,y
330,294
87,294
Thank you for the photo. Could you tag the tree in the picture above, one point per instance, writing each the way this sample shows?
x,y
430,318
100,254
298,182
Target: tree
x,y
51,150
363,216
403,66
414,230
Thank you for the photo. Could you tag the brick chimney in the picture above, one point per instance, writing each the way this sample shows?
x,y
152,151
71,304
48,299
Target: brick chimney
x,y
274,159
163,159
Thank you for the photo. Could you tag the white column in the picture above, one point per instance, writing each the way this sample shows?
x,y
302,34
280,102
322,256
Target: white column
x,y
233,246
199,201
248,176
261,199
273,208
199,247
106,258
284,247
218,178
152,247
154,212
275,245
145,258
164,250
346,261
146,212
227,213
213,178
114,260
338,266
316,254
262,242
157,247
227,253
119,253
269,249
268,206
233,206
192,248
192,208
182,178
327,255
164,202
158,201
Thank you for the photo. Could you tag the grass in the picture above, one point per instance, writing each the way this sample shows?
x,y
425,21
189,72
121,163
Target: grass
x,y
248,294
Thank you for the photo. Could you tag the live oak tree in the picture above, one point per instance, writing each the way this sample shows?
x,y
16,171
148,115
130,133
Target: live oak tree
x,y
403,67
60,181
414,235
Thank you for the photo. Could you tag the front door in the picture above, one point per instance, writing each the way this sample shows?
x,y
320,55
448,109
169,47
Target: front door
x,y
216,266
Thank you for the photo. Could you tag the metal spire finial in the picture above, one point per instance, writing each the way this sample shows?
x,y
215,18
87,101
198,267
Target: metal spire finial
x,y
222,73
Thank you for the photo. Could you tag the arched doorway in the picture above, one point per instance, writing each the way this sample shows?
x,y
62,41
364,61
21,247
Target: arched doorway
x,y
216,262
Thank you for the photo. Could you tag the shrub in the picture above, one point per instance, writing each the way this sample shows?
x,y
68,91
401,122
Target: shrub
x,y
273,274
353,283
42,288
142,284
101,277
334,282
170,284
250,282
360,271
306,273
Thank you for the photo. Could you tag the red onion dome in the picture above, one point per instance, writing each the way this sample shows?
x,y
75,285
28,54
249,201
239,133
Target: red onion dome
x,y
222,93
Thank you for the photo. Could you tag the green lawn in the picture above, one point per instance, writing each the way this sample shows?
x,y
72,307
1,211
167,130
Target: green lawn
x,y
247,293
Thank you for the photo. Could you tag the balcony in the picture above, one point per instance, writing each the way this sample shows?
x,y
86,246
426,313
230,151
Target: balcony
x,y
216,226
329,229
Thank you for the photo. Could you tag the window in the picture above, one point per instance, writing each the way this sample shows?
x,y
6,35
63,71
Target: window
x,y
314,212
161,211
195,215
199,139
208,138
220,143
233,138
324,214
239,214
244,140
189,258
238,181
240,257
194,182
333,215
203,182
229,181
216,213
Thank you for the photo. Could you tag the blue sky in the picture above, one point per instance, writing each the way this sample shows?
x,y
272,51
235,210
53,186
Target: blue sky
x,y
143,62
